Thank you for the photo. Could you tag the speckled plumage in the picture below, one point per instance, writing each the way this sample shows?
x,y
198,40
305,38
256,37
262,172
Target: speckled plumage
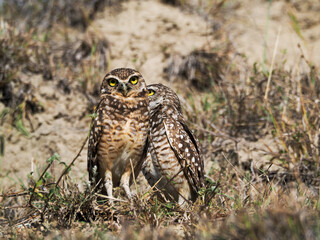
x,y
173,151
119,131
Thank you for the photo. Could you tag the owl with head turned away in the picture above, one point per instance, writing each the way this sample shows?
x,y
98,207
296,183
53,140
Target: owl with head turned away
x,y
174,163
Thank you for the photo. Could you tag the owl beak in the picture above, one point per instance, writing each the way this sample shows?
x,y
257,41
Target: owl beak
x,y
123,88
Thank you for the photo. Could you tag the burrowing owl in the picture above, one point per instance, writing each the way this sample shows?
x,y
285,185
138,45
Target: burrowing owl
x,y
119,132
173,154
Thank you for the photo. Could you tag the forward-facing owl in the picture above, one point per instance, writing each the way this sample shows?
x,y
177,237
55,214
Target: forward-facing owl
x,y
118,139
174,161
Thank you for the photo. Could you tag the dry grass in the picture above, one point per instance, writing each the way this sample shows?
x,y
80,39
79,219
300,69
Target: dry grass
x,y
44,15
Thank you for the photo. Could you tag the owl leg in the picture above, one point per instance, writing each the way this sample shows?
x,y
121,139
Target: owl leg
x,y
182,202
184,194
125,182
108,183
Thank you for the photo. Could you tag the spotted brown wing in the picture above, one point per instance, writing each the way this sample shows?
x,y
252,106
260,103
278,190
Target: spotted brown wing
x,y
186,149
94,140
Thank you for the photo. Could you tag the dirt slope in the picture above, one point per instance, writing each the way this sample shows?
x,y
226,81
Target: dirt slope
x,y
251,29
142,35
144,31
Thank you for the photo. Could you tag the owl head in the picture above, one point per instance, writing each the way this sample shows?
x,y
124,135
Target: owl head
x,y
161,96
124,82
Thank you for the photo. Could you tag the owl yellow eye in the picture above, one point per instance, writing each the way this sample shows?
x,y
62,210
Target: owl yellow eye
x,y
112,82
134,80
151,92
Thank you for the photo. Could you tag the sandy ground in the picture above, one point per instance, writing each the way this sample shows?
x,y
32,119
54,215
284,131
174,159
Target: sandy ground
x,y
142,35
251,30
145,30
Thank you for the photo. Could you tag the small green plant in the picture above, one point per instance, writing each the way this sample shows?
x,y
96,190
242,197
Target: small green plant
x,y
19,124
295,25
